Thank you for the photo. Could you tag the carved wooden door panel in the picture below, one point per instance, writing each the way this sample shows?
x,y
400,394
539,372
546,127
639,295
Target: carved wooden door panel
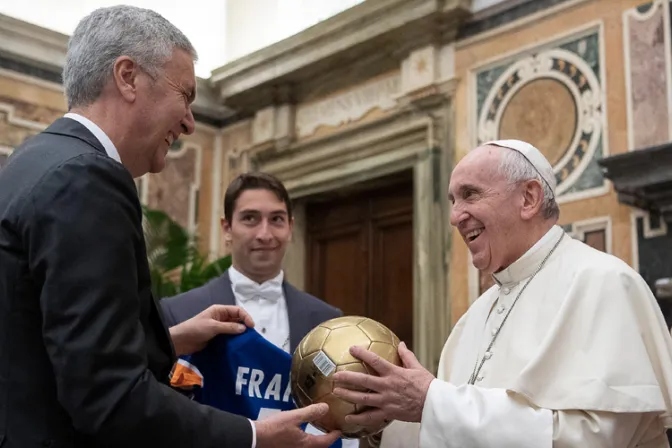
x,y
360,255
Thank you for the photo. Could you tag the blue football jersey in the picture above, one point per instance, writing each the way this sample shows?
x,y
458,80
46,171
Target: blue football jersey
x,y
243,374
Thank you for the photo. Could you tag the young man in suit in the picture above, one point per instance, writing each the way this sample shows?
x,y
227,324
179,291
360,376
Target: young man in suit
x,y
257,226
84,352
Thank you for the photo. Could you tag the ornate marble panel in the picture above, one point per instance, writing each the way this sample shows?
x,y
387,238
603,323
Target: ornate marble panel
x,y
551,97
175,189
646,54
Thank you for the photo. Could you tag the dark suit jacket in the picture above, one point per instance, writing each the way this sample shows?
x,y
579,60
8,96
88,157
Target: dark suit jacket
x,y
304,311
84,353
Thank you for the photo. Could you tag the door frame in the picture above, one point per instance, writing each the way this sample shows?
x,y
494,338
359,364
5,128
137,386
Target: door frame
x,y
417,136
370,209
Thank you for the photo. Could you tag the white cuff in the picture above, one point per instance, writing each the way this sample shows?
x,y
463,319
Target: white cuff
x,y
254,434
469,416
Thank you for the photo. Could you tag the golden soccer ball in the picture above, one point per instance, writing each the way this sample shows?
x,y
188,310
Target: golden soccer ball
x,y
325,351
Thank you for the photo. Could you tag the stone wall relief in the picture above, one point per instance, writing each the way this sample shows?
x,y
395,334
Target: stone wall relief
x,y
274,125
647,53
424,73
175,189
377,96
427,69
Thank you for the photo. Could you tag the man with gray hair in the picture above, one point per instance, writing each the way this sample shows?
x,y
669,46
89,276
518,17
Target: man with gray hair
x,y
568,349
85,357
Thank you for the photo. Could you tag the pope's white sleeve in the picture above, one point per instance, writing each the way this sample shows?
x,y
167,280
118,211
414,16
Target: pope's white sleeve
x,y
474,417
482,418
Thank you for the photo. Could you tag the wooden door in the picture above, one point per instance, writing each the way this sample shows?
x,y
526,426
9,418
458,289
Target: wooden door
x,y
360,255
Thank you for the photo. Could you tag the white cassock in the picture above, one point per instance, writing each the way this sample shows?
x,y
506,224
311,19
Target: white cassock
x,y
584,359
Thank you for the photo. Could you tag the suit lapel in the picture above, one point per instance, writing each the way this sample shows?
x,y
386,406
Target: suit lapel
x,y
71,128
221,291
299,317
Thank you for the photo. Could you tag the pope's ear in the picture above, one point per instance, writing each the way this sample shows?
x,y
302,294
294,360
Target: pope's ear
x,y
533,199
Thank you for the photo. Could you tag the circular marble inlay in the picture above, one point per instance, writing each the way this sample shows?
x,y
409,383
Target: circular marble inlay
x,y
553,100
543,113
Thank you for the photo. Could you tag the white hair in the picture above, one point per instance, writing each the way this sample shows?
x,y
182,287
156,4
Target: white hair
x,y
108,33
516,168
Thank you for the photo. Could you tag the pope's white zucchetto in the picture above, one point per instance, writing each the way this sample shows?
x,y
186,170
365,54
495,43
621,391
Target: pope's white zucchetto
x,y
533,155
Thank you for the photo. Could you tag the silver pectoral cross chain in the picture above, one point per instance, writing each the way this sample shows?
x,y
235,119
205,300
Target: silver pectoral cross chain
x,y
479,365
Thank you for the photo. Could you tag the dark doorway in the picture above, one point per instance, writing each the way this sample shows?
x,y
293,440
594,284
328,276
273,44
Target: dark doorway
x,y
359,251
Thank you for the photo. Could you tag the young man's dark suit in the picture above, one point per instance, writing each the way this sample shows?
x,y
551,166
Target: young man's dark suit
x,y
304,311
83,348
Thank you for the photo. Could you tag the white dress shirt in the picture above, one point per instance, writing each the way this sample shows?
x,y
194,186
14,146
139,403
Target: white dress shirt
x,y
266,305
102,137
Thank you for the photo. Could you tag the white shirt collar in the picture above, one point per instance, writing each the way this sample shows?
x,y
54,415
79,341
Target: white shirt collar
x,y
237,277
102,137
529,262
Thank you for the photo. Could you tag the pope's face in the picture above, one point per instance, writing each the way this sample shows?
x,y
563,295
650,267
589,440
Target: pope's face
x,y
486,209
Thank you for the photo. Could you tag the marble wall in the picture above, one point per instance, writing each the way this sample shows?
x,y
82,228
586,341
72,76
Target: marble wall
x,y
175,189
647,54
185,189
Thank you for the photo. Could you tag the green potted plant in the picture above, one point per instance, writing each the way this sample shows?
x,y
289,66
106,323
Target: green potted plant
x,y
176,265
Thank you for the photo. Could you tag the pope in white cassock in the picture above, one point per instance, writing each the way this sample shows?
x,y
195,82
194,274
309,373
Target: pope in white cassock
x,y
568,349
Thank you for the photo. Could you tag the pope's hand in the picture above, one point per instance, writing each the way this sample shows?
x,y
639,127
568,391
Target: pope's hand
x,y
192,335
284,429
398,393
